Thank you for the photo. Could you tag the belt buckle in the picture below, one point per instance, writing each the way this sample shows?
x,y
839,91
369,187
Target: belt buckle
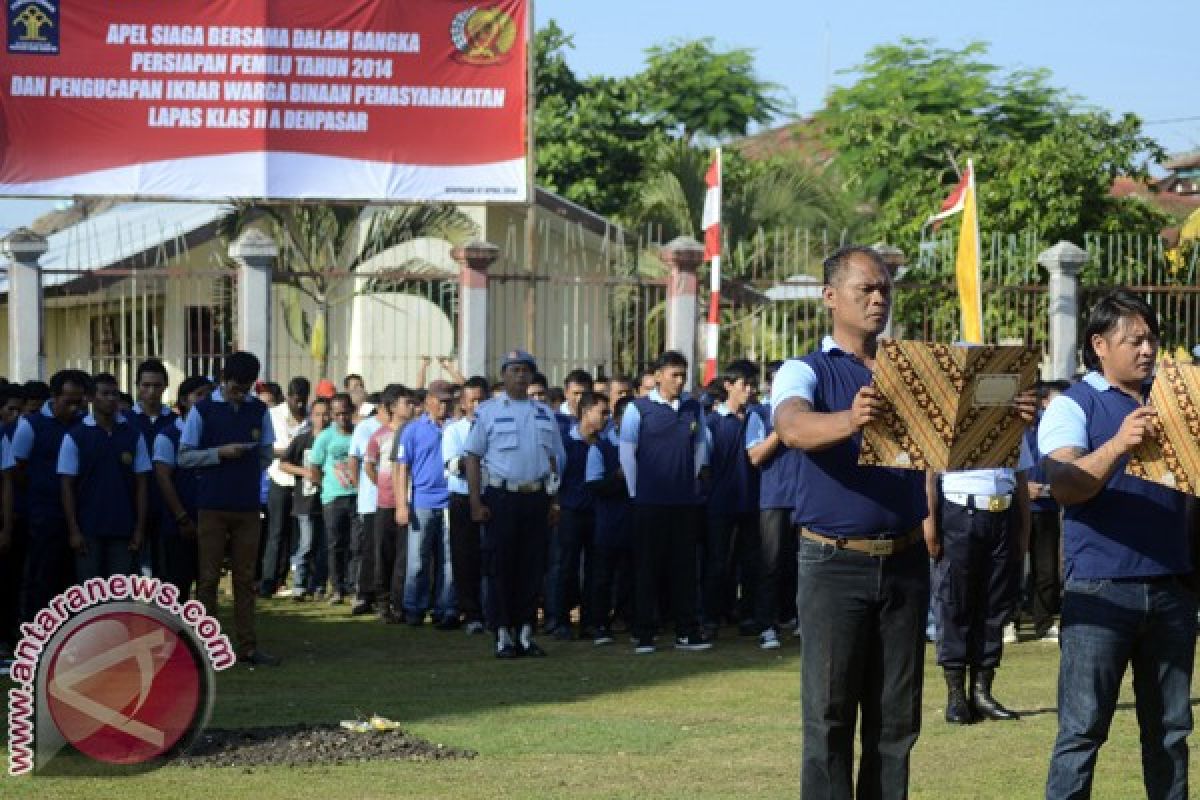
x,y
880,547
995,504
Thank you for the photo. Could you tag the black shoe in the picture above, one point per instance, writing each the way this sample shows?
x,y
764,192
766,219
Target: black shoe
x,y
389,617
506,651
360,609
602,636
448,624
563,633
644,645
986,706
748,628
958,710
257,658
693,641
530,648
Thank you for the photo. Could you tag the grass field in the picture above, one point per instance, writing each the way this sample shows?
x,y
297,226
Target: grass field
x,y
586,722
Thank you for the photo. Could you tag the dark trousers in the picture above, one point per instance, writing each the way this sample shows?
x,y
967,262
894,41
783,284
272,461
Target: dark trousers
x,y
576,533
178,557
339,522
104,557
279,536
49,565
775,599
664,554
362,562
612,574
1044,541
977,579
730,563
862,621
465,557
391,558
516,536
12,565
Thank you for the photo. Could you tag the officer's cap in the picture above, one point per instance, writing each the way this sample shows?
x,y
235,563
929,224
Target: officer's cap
x,y
517,357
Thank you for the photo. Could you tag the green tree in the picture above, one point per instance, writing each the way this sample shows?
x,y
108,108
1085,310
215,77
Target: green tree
x,y
695,90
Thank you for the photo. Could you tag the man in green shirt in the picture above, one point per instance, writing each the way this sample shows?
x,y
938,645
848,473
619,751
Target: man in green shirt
x,y
331,471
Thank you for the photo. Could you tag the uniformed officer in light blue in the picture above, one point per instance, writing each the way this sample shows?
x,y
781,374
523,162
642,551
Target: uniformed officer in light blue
x,y
513,460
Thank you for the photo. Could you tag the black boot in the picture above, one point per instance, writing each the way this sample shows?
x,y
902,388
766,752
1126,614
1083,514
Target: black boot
x,y
985,705
958,710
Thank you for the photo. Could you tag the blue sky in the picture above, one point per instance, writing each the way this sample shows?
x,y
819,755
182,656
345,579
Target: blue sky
x,y
1116,54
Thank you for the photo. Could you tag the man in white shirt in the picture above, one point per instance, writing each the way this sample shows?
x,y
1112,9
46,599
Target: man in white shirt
x,y
286,419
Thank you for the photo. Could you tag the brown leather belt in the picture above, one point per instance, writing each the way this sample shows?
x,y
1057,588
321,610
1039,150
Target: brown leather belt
x,y
878,547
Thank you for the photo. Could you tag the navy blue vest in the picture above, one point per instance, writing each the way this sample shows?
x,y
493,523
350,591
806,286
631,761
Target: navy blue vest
x,y
150,429
777,476
187,487
104,489
573,493
834,495
231,485
614,515
45,486
666,457
734,486
1131,528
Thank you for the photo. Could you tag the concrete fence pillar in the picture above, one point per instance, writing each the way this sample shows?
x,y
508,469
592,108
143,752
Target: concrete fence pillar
x,y
473,259
897,264
1063,261
255,253
26,359
683,256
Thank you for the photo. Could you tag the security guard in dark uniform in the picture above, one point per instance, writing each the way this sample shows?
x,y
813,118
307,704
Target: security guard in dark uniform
x,y
982,519
513,458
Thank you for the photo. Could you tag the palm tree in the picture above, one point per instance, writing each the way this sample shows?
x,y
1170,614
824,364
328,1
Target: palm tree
x,y
322,246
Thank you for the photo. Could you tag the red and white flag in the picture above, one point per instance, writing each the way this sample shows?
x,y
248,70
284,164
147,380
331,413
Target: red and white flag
x,y
711,222
954,203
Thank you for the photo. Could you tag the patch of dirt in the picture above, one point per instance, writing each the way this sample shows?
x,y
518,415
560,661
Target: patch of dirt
x,y
302,745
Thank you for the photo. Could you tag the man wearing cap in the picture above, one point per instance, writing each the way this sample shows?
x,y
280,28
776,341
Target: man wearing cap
x,y
419,468
513,457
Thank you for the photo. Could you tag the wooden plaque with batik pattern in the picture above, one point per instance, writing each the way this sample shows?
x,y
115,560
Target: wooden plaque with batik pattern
x,y
1172,458
949,407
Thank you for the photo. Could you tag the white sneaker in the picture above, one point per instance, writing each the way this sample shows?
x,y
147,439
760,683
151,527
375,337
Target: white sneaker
x,y
767,640
1010,633
1050,635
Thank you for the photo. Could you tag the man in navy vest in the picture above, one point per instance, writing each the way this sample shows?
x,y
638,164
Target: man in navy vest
x,y
228,438
1126,558
663,452
731,556
151,417
14,526
104,462
863,572
563,552
613,562
31,463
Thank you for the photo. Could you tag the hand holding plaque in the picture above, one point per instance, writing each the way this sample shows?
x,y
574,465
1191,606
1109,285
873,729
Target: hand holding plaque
x,y
1171,455
949,407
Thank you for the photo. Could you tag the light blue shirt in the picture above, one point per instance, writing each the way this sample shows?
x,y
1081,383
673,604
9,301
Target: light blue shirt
x,y
631,426
1064,424
756,431
996,481
594,470
68,451
797,379
516,439
454,445
22,440
193,429
164,448
368,493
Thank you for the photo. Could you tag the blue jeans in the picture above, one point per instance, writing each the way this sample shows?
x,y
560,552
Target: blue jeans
x,y
862,621
429,568
310,565
1107,626
106,557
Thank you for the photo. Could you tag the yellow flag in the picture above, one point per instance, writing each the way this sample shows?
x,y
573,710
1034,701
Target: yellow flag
x,y
967,265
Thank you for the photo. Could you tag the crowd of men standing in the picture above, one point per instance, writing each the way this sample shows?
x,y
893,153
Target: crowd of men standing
x,y
615,503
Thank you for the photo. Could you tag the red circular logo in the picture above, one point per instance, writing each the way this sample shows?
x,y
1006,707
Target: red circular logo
x,y
124,688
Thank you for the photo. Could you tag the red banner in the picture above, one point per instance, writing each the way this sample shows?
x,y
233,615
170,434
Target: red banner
x,y
213,99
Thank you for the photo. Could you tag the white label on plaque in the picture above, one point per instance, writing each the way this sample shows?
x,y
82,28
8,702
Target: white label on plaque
x,y
996,390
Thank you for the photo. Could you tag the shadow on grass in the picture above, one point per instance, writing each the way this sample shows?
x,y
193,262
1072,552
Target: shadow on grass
x,y
338,667
1034,712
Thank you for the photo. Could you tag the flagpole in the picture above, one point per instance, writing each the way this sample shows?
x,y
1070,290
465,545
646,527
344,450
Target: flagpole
x,y
714,297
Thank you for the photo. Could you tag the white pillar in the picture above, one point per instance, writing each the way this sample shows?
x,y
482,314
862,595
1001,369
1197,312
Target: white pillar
x,y
255,253
1063,261
683,256
23,248
473,259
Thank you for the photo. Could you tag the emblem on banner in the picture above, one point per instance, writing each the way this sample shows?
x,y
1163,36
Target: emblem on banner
x,y
483,36
33,27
